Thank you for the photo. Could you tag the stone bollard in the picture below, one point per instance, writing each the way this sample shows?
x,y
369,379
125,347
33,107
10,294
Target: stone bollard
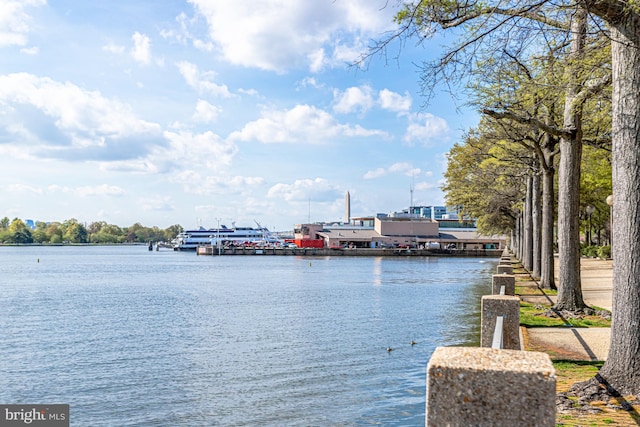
x,y
471,386
506,280
505,269
509,308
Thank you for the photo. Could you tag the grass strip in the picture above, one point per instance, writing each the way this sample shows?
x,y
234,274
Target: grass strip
x,y
532,316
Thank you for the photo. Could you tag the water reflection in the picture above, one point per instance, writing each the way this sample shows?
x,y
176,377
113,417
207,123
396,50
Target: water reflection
x,y
176,339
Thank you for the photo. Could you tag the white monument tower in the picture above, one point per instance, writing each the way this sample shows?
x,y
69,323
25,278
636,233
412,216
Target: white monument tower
x,y
347,208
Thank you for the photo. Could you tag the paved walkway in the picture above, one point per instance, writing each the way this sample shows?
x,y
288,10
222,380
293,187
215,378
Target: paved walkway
x,y
579,343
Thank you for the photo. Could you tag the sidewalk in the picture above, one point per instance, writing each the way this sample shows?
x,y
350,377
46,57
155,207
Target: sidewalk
x,y
578,343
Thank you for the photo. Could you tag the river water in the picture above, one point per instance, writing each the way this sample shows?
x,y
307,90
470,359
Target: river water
x,y
129,337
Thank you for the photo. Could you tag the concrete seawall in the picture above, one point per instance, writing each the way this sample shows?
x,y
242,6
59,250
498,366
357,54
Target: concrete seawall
x,y
497,384
212,250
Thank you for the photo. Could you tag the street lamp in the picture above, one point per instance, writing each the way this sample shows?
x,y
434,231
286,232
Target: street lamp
x,y
590,210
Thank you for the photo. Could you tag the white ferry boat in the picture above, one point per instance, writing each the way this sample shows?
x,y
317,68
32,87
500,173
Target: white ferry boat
x,y
191,239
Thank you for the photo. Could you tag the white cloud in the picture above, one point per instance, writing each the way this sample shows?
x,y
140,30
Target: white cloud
x,y
184,155
14,21
396,168
310,82
362,99
318,190
100,190
317,60
206,150
54,117
113,48
215,184
34,50
376,173
424,186
301,124
424,127
184,34
160,203
141,50
202,81
250,92
393,101
23,188
279,34
404,168
88,191
353,99
206,112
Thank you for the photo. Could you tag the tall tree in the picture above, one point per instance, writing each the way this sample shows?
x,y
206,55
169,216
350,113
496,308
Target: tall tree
x,y
514,96
622,368
570,289
19,232
492,29
486,176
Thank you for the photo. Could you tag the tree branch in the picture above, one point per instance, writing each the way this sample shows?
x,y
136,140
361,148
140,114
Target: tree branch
x,y
531,121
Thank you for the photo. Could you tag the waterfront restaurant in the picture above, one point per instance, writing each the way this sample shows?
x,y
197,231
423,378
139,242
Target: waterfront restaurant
x,y
396,232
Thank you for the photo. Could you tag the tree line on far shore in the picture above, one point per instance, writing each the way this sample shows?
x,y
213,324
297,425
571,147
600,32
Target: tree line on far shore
x,y
16,231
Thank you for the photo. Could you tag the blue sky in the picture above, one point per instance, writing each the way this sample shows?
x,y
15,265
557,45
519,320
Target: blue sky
x,y
188,112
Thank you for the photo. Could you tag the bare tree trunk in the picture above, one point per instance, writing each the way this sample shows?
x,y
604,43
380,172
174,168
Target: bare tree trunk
x,y
547,279
519,236
570,287
527,259
536,221
622,368
512,243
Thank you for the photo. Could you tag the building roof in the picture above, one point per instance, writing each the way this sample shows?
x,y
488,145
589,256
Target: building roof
x,y
364,234
368,235
453,235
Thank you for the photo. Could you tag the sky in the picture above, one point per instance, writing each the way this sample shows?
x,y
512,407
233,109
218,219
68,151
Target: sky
x,y
204,112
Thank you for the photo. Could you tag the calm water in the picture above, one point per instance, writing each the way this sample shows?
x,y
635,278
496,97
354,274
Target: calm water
x,y
129,337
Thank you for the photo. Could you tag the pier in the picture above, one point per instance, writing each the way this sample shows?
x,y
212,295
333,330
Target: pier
x,y
324,252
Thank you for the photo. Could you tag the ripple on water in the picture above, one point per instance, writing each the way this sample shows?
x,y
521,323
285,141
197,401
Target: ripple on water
x,y
131,337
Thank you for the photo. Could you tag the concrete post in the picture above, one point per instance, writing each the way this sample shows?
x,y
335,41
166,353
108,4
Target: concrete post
x,y
470,386
506,280
509,308
507,269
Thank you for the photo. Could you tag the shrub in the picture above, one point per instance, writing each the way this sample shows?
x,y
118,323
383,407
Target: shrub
x,y
590,251
604,252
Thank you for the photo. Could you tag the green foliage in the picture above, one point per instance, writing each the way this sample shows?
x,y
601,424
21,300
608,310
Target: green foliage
x,y
18,232
4,236
589,251
604,252
73,231
484,176
596,251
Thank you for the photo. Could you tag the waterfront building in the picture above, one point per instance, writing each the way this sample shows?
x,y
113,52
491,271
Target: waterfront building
x,y
397,231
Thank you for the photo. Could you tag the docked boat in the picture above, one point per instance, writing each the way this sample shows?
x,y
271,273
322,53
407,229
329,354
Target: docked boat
x,y
191,239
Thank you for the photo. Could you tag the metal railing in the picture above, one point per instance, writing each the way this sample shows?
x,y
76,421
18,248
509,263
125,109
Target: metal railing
x,y
498,331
